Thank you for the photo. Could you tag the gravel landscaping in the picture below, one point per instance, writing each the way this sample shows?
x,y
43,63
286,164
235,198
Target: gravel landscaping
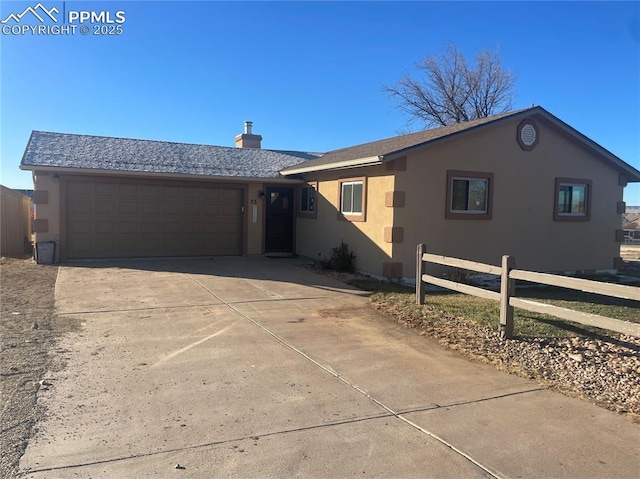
x,y
605,371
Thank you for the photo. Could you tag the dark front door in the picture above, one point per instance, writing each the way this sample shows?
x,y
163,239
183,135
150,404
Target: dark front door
x,y
279,219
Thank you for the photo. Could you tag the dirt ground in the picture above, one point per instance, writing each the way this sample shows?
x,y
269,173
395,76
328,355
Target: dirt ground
x,y
28,334
630,252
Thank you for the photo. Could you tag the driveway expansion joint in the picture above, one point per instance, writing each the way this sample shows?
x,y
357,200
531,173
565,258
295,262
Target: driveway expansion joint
x,y
206,445
491,398
368,396
133,310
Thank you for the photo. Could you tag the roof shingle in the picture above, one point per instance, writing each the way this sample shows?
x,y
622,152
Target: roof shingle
x,y
60,150
46,149
397,143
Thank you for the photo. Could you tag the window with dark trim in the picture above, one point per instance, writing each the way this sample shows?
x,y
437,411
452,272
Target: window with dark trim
x,y
308,194
469,195
572,200
353,192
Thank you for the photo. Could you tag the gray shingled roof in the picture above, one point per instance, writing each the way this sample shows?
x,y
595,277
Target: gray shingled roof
x,y
397,144
46,149
128,155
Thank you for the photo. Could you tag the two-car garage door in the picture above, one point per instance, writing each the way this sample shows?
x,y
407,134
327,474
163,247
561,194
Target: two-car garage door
x,y
118,219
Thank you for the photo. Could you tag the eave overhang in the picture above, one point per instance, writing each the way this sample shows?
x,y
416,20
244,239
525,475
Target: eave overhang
x,y
356,163
159,175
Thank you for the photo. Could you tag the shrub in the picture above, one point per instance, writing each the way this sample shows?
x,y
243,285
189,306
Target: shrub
x,y
459,275
341,259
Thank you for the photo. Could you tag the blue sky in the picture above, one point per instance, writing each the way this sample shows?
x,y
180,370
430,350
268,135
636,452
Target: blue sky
x,y
308,74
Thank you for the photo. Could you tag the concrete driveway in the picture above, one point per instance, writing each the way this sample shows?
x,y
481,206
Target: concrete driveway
x,y
238,367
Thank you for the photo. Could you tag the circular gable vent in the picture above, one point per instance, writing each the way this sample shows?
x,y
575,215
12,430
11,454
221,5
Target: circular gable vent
x,y
527,135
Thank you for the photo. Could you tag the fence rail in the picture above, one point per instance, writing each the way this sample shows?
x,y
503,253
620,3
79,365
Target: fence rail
x,y
508,300
596,287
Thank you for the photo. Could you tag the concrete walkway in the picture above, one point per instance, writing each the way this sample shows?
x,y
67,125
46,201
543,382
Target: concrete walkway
x,y
238,367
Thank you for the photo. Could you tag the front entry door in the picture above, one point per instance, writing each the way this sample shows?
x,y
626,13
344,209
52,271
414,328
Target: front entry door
x,y
279,220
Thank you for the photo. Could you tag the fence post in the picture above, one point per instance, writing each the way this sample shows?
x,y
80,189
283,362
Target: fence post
x,y
507,289
420,289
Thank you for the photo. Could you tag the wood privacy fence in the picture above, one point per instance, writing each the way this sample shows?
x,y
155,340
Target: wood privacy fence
x,y
508,300
15,225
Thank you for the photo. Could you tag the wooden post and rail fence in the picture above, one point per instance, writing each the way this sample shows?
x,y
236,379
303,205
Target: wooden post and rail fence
x,y
507,295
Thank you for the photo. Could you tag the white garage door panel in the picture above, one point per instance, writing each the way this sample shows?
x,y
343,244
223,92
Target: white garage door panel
x,y
128,219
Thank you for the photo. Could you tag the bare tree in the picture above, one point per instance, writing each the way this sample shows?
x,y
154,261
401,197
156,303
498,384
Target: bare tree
x,y
449,90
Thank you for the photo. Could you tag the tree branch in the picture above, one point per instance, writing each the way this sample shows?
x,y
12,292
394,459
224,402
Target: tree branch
x,y
449,91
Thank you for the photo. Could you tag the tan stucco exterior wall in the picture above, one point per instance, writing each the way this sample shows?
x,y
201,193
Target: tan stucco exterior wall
x,y
315,237
523,203
522,222
48,211
254,229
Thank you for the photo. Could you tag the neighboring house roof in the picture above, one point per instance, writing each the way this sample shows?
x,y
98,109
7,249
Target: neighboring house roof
x,y
28,193
631,220
85,152
10,191
377,152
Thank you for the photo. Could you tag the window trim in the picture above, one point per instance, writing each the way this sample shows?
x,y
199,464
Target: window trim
x,y
301,212
560,181
469,175
351,216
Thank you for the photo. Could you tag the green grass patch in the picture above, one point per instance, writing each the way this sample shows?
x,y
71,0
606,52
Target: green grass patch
x,y
400,301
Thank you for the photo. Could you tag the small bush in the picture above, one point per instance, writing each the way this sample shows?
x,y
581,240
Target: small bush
x,y
341,259
459,275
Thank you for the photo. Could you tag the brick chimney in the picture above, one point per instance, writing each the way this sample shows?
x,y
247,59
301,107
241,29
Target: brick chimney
x,y
248,139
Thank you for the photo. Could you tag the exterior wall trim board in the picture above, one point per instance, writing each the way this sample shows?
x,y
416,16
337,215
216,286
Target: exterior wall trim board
x,y
370,161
